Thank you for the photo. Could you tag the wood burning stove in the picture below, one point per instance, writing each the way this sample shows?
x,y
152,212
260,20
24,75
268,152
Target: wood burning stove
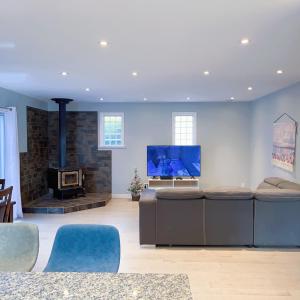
x,y
65,182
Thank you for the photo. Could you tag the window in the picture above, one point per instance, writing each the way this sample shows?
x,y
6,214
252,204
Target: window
x,y
184,128
1,145
111,130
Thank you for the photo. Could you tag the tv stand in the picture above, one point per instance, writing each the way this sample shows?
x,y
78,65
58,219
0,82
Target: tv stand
x,y
173,183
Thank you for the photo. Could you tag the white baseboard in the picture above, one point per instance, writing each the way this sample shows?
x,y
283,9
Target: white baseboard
x,y
121,196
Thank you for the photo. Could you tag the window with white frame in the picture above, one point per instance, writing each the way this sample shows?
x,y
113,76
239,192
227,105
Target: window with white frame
x,y
111,130
184,128
1,145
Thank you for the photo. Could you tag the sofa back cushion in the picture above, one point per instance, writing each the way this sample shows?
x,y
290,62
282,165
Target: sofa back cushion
x,y
179,193
278,183
277,195
289,185
228,193
273,180
268,186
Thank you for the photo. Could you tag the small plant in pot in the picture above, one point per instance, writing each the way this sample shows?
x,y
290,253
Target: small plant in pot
x,y
136,186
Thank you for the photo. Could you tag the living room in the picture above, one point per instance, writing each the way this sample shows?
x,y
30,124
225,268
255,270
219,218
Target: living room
x,y
100,104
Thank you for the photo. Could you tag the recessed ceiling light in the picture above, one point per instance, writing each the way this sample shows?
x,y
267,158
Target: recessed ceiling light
x,y
103,44
188,98
134,74
206,73
87,89
232,98
64,73
245,41
250,88
145,99
279,72
101,99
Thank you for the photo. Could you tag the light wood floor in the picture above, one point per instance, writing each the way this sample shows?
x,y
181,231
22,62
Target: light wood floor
x,y
214,273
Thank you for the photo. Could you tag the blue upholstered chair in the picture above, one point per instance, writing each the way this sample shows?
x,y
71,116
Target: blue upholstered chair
x,y
85,248
19,247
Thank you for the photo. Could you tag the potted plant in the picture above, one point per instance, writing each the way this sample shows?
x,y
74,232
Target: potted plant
x,y
136,187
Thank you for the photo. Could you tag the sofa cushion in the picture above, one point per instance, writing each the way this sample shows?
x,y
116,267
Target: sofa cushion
x,y
289,185
179,193
268,186
148,194
277,195
228,193
273,180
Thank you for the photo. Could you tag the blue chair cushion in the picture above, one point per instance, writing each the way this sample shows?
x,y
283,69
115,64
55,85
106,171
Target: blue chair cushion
x,y
85,248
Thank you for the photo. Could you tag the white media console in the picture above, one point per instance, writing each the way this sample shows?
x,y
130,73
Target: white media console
x,y
173,183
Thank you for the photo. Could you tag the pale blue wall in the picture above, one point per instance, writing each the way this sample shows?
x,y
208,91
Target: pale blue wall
x,y
223,130
264,112
10,98
236,138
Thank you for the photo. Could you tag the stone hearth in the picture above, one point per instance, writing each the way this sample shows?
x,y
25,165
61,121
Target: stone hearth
x,y
49,205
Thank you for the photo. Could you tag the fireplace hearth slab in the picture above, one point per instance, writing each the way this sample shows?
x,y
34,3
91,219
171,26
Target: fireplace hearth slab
x,y
49,205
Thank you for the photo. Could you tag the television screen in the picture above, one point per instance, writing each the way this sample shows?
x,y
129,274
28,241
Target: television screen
x,y
173,161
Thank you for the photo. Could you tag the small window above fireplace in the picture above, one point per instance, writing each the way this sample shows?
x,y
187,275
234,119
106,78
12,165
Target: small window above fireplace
x,y
111,130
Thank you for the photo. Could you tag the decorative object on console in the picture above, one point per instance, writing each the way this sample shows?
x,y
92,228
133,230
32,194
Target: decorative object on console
x,y
136,186
284,142
64,181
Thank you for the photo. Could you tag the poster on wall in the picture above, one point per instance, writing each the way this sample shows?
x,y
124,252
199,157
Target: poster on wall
x,y
284,142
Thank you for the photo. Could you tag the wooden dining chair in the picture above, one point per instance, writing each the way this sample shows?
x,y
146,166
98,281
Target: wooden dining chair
x,y
6,205
2,184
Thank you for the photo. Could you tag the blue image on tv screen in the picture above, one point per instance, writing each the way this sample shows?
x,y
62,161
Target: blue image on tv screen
x,y
173,161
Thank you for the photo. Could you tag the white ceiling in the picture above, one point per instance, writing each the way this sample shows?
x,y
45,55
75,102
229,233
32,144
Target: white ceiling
x,y
168,42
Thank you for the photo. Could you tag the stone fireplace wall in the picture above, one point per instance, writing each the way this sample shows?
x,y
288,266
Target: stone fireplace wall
x,y
82,151
34,162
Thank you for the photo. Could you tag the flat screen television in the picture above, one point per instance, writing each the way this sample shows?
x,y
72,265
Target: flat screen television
x,y
175,161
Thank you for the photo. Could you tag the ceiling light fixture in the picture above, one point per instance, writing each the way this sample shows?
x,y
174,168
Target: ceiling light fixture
x,y
134,74
64,73
245,41
188,98
250,88
279,72
206,73
145,99
87,89
101,99
103,44
232,98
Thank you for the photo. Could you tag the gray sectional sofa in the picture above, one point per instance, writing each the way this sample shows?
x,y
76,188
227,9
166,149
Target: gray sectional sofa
x,y
277,213
222,216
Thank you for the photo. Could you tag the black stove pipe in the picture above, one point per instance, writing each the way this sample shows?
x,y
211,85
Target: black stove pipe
x,y
62,151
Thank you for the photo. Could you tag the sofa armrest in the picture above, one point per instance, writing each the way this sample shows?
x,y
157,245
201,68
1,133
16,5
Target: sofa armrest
x,y
147,217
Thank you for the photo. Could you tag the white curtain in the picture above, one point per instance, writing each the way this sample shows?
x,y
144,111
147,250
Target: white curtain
x,y
12,158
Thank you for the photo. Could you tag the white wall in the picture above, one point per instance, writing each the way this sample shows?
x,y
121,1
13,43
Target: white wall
x,y
264,112
10,98
223,131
